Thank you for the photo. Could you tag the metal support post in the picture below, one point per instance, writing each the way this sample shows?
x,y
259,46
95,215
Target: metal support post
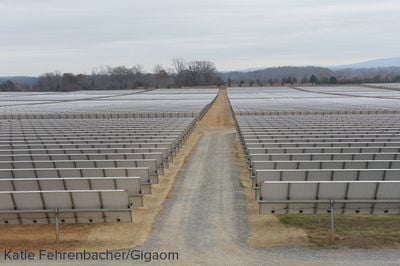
x,y
57,224
332,214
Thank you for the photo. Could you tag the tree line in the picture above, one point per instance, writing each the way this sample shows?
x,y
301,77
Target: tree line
x,y
195,73
180,74
311,75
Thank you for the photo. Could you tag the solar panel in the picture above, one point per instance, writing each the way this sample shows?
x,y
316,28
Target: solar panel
x,y
82,206
309,197
329,174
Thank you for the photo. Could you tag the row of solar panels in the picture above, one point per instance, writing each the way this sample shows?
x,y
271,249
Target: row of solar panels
x,y
96,115
309,197
301,162
95,125
333,112
80,206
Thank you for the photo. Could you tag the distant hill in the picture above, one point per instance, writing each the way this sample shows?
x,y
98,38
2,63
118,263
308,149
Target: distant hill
x,y
302,74
376,63
277,73
23,80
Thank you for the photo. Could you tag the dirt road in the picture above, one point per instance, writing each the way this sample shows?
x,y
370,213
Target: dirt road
x,y
205,218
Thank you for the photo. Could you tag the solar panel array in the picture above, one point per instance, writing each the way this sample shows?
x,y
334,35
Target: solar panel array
x,y
395,86
309,147
105,104
89,156
313,100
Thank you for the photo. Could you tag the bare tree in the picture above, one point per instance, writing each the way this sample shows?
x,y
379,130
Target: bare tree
x,y
161,76
49,82
179,64
138,69
203,73
157,69
70,82
198,73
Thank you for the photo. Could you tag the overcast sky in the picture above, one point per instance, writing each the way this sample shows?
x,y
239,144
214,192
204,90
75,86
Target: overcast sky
x,y
38,36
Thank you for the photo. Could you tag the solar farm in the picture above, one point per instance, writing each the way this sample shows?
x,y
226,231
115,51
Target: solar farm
x,y
93,157
89,156
321,150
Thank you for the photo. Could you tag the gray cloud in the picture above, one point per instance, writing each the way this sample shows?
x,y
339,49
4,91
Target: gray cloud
x,y
74,36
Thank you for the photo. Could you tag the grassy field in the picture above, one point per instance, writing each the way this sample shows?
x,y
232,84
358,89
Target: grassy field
x,y
355,231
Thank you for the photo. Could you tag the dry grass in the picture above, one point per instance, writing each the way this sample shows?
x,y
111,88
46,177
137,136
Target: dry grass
x,y
352,231
266,231
219,116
